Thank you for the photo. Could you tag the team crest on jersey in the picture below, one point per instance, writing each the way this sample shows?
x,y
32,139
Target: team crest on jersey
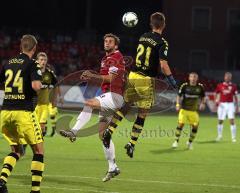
x,y
198,90
46,78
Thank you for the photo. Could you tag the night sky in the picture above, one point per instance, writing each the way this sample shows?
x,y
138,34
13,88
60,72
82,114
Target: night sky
x,y
54,14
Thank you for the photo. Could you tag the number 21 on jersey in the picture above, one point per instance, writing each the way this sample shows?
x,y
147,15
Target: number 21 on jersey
x,y
142,54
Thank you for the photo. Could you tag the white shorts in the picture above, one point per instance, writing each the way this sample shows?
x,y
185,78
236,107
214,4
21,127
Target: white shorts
x,y
109,102
226,110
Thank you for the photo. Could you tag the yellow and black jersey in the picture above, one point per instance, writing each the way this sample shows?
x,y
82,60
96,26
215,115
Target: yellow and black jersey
x,y
49,80
18,75
191,95
152,47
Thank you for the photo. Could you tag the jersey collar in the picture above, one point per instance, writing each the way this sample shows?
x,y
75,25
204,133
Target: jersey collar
x,y
116,51
24,55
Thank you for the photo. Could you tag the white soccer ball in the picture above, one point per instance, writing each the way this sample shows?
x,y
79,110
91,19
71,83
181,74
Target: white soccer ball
x,y
130,19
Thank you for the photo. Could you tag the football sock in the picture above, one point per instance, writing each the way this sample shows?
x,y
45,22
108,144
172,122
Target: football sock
x,y
110,156
83,118
233,131
53,123
8,165
220,130
136,130
193,134
117,118
37,168
178,133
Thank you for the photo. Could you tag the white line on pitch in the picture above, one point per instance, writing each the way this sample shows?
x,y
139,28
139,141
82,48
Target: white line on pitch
x,y
64,188
145,181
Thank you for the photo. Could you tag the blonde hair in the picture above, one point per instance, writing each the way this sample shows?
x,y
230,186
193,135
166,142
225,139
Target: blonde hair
x,y
43,54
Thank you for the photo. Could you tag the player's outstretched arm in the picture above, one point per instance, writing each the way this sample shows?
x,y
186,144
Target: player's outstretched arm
x,y
86,75
108,78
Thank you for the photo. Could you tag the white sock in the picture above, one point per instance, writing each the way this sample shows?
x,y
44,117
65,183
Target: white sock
x,y
110,156
220,129
82,119
233,131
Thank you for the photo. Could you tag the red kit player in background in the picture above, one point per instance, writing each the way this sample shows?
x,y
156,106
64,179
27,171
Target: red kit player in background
x,y
227,102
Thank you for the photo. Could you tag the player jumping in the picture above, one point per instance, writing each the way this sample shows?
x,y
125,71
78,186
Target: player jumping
x,y
19,125
226,95
187,103
152,54
112,78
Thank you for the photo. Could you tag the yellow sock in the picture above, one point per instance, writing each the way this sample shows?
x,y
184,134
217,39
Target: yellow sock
x,y
8,165
117,118
37,169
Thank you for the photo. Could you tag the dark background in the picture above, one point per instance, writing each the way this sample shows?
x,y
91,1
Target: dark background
x,y
104,15
203,35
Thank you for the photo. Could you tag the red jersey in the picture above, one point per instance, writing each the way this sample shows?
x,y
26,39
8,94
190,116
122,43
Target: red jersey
x,y
226,91
113,64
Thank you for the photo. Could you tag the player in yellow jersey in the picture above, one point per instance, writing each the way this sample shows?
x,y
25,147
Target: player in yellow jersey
x,y
151,57
190,99
22,78
49,81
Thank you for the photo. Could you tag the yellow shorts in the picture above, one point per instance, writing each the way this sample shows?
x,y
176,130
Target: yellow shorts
x,y
42,113
53,111
140,90
188,117
20,127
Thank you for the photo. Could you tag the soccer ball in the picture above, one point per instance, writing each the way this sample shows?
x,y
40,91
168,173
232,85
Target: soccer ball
x,y
130,19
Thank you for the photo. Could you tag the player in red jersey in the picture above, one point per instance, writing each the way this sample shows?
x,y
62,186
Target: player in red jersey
x,y
112,77
226,96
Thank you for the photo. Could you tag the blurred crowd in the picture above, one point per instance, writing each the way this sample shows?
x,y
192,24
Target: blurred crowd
x,y
67,54
64,52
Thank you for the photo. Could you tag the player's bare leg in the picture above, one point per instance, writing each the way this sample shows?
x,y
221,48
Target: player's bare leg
x,y
44,128
233,130
83,118
219,130
178,134
19,148
113,169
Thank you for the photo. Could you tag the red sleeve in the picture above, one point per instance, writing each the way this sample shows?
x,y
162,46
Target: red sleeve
x,y
217,90
235,91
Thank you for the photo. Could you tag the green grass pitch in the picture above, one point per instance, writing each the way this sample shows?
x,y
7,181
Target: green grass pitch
x,y
156,168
